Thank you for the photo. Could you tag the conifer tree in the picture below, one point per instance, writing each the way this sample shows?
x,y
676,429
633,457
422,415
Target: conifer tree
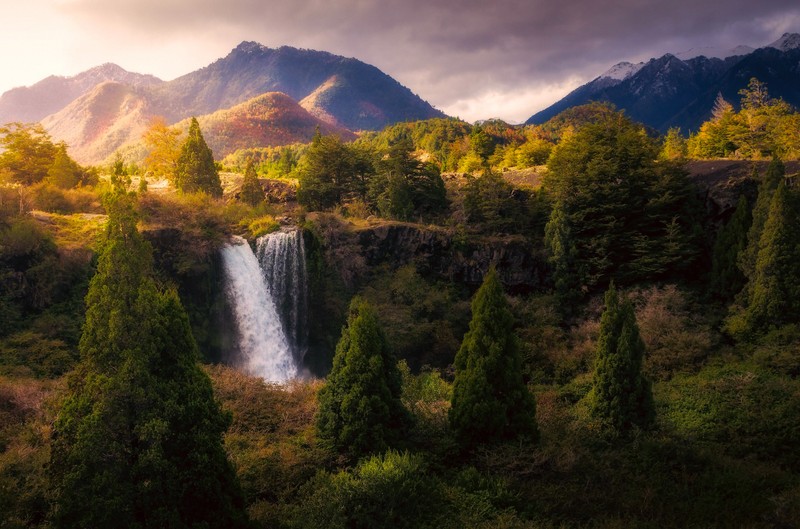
x,y
251,191
562,258
195,170
727,279
775,293
490,400
138,439
360,411
748,258
620,397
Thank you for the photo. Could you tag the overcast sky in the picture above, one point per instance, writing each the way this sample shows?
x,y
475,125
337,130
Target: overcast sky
x,y
475,59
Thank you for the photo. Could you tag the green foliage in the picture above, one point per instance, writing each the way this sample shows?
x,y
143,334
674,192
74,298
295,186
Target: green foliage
x,y
27,153
562,256
331,172
360,411
675,147
629,217
744,410
390,490
490,400
138,439
621,397
64,172
775,295
404,187
251,191
727,279
763,127
490,201
195,169
766,190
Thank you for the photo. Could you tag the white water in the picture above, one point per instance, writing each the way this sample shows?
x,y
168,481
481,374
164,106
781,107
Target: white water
x,y
283,262
263,347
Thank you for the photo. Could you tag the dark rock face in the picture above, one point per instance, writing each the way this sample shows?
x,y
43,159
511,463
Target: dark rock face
x,y
521,266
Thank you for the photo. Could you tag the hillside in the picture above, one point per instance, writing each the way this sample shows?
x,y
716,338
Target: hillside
x,y
673,92
50,95
345,91
270,119
102,120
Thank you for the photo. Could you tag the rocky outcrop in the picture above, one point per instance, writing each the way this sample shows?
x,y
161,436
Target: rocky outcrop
x,y
443,253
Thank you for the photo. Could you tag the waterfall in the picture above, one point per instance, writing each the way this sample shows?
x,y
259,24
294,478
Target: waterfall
x,y
263,348
283,262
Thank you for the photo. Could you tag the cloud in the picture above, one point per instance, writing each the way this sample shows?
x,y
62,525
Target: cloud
x,y
457,54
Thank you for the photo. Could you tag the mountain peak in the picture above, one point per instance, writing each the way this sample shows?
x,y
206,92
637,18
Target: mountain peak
x,y
788,41
622,71
249,46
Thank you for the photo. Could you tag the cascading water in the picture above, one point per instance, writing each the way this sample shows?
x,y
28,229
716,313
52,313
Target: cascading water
x,y
263,348
283,262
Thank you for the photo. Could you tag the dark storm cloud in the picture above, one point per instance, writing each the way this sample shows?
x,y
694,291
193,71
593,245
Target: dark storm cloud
x,y
458,49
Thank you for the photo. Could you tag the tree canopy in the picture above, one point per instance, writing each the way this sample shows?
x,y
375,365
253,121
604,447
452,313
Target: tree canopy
x,y
360,411
490,400
195,169
138,438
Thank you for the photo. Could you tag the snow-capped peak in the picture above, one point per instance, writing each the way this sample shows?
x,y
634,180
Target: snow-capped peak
x,y
622,71
713,52
789,41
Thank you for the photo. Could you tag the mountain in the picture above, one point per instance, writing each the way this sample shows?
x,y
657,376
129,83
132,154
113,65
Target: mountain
x,y
52,94
269,119
345,92
97,123
106,107
673,92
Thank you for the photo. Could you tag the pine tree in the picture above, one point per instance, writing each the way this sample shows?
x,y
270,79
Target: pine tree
x,y
360,411
138,439
727,279
565,270
490,400
621,397
195,170
251,191
748,258
775,293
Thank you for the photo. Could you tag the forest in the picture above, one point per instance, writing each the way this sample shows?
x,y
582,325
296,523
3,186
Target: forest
x,y
574,324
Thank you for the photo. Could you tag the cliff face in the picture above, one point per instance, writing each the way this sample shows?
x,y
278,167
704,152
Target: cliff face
x,y
441,253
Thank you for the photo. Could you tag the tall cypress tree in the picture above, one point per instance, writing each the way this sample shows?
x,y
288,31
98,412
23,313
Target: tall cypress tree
x,y
360,411
138,440
251,191
490,400
565,270
775,292
621,397
727,279
195,170
747,259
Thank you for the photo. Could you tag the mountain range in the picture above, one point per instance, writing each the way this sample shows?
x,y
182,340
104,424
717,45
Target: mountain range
x,y
680,90
258,96
104,108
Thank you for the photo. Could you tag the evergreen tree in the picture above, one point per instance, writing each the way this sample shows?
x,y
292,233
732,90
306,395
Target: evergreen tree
x,y
621,397
727,279
138,439
404,186
630,217
64,172
490,400
760,212
775,293
331,172
360,411
562,258
251,191
195,169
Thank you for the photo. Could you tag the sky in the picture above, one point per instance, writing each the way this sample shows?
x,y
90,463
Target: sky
x,y
475,59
